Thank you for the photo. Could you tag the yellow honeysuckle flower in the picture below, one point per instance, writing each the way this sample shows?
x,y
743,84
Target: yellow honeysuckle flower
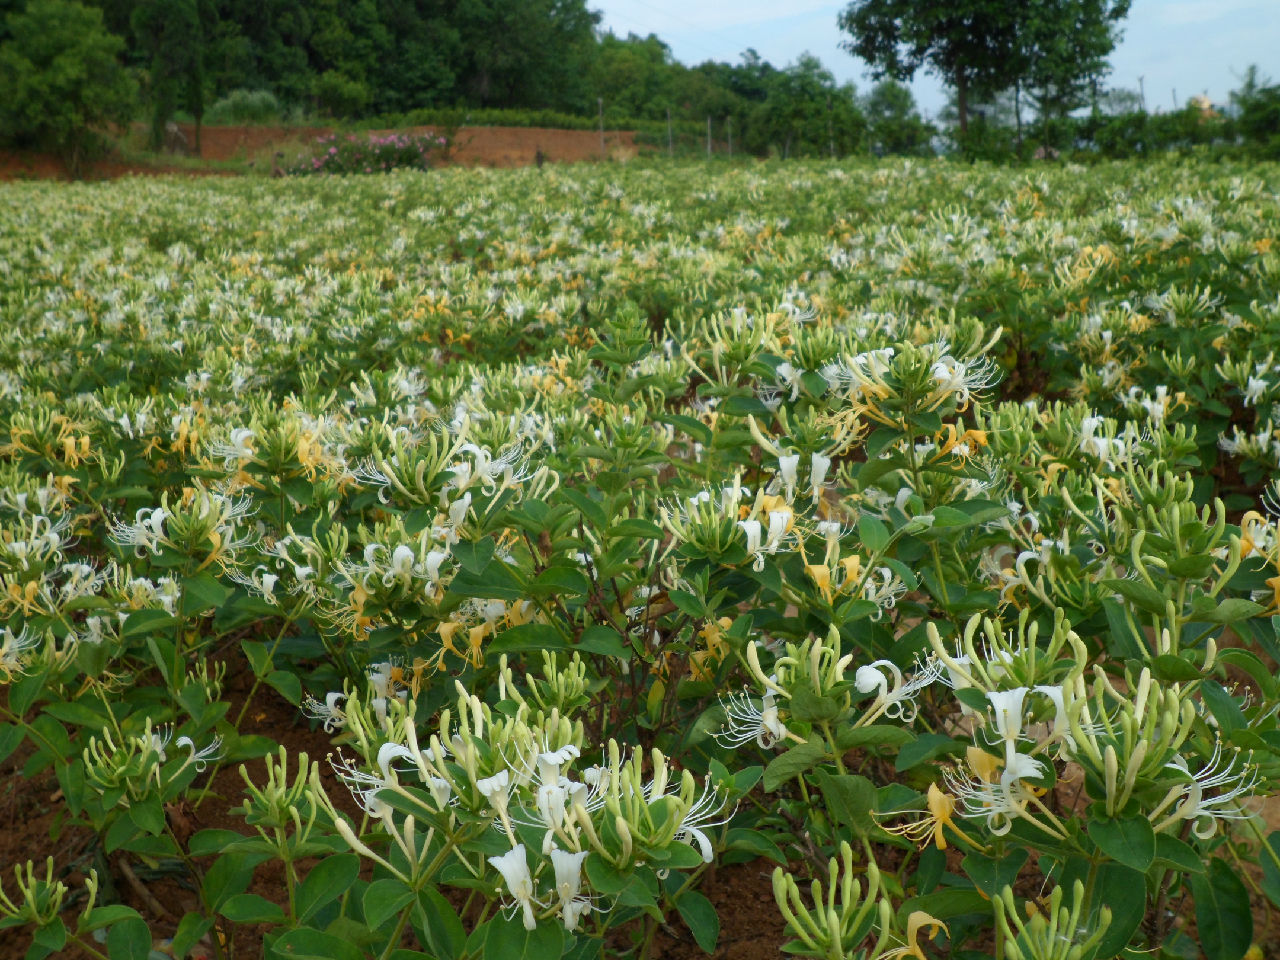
x,y
916,922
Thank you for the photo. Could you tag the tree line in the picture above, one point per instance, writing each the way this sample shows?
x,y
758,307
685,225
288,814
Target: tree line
x,y
358,60
70,67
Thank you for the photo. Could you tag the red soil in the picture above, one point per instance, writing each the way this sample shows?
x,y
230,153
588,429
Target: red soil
x,y
472,146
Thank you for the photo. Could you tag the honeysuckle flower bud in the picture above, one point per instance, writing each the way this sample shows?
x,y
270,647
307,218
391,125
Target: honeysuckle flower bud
x,y
514,867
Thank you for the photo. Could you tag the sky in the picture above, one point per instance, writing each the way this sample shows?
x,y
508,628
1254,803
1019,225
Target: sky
x,y
1188,46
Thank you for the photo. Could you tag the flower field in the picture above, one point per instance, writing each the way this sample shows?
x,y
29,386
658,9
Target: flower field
x,y
906,531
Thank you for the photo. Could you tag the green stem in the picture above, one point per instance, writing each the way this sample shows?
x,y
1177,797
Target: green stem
x,y
257,680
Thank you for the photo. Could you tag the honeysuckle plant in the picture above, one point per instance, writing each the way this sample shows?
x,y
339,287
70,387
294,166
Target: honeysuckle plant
x,y
912,528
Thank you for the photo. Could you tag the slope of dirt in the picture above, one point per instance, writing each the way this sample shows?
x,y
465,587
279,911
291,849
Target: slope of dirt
x,y
472,147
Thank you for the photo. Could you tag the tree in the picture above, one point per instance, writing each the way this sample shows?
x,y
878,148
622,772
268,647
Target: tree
x,y
971,44
62,79
1062,52
172,34
893,123
1057,49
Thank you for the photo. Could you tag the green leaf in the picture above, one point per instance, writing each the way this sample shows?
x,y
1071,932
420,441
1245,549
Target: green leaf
x,y
1124,890
202,592
945,904
1122,640
874,534
1271,872
192,927
990,875
793,763
148,815
1181,855
589,508
105,916
287,684
251,908
1141,595
306,943
527,636
326,881
1233,609
603,641
473,556
81,714
383,899
1224,707
925,747
130,939
945,516
805,706
1171,668
1223,917
1130,840
849,799
700,916
50,938
562,579
142,622
229,875
755,843
507,939
875,735
441,925
636,527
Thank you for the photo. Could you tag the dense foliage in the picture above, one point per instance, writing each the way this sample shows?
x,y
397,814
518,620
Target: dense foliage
x,y
912,527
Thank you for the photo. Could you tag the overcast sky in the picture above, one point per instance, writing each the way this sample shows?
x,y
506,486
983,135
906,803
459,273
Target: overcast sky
x,y
1192,46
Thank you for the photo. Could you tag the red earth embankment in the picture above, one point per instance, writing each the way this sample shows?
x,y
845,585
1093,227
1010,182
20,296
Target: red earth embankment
x,y
472,146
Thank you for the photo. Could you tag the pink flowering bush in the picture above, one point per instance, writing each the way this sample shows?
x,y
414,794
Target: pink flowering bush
x,y
375,153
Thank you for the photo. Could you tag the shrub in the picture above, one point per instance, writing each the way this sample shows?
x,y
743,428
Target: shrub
x,y
243,107
372,154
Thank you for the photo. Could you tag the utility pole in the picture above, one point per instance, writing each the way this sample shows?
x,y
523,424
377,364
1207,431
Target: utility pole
x,y
600,105
671,150
708,136
1175,99
1142,95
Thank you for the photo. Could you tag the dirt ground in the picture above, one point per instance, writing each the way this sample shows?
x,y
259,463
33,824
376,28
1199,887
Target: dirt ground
x,y
472,146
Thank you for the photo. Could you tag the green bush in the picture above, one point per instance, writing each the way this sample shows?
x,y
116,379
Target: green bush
x,y
245,107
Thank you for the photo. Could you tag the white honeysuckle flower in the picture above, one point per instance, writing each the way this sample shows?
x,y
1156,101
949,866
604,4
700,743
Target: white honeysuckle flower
x,y
497,791
568,871
701,817
787,467
14,648
747,722
201,757
818,467
753,531
1232,783
329,712
549,762
898,703
1000,801
1008,713
514,867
